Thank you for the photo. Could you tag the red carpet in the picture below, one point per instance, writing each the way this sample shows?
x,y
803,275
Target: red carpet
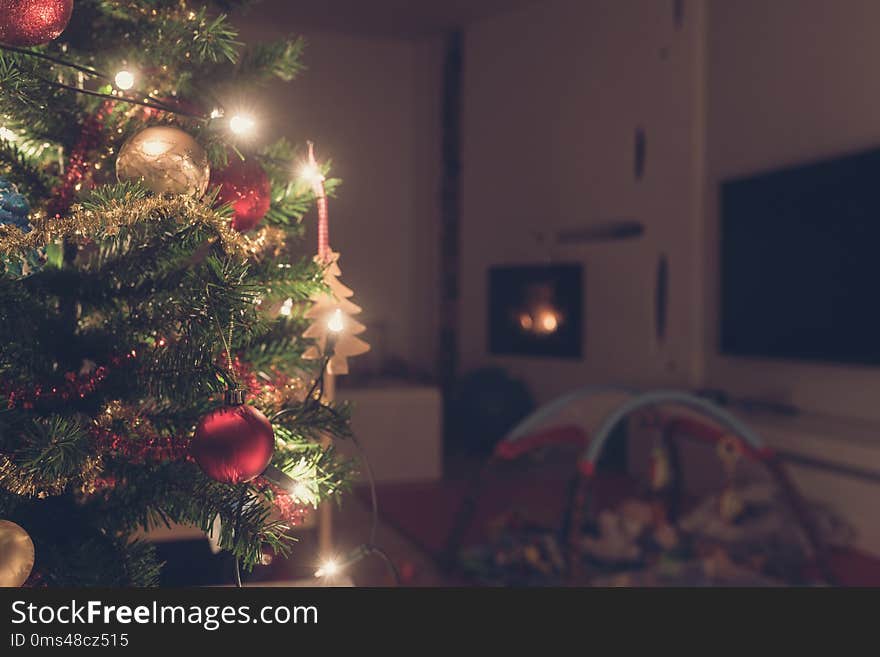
x,y
424,512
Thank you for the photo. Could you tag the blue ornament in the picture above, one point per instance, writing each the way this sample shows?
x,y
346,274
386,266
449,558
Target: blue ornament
x,y
14,207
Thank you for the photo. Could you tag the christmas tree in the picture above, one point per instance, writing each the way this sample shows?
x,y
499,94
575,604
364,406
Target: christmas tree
x,y
152,364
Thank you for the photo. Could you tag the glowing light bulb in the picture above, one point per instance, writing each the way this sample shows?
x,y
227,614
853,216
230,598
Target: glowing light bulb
x,y
335,323
311,174
7,134
242,125
216,113
525,322
124,80
549,322
287,307
328,569
301,493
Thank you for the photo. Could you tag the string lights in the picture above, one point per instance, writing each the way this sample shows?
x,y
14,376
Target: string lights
x,y
340,328
310,173
336,322
333,566
124,80
328,569
298,488
242,125
139,430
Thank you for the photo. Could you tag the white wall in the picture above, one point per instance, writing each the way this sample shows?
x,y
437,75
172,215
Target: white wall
x,y
788,81
553,94
370,104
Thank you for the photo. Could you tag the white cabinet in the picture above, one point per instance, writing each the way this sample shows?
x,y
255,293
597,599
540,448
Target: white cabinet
x,y
399,427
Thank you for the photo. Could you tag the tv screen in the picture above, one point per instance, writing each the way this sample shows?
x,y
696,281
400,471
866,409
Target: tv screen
x,y
800,262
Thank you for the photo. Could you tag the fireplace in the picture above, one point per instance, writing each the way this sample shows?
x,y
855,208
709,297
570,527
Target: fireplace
x,y
536,310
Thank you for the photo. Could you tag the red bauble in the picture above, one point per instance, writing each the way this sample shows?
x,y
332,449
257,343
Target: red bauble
x,y
33,22
245,185
233,444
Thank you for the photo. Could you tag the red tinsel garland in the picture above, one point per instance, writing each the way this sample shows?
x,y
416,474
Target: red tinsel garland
x,y
79,164
292,512
141,442
141,446
75,386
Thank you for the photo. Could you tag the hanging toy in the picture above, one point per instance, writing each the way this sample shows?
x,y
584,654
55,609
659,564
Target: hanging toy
x,y
14,207
333,328
16,554
730,504
660,469
14,211
245,185
167,160
234,443
25,23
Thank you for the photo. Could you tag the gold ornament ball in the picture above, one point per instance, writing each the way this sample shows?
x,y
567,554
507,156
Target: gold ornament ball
x,y
16,554
167,160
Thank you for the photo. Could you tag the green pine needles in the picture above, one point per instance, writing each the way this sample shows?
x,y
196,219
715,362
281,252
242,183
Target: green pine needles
x,y
124,315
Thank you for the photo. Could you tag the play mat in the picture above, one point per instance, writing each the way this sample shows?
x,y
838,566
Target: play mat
x,y
750,527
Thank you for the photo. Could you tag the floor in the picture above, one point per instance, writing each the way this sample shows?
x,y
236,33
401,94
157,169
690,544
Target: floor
x,y
425,512
191,562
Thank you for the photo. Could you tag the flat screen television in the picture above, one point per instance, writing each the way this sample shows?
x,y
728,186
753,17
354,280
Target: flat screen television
x,y
800,262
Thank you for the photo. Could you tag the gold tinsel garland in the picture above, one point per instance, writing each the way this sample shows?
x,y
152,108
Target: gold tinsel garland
x,y
95,224
30,484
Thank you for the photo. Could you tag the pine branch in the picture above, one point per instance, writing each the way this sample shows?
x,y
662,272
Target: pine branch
x,y
177,492
278,59
155,288
51,454
74,548
280,345
297,281
105,196
291,199
172,35
319,470
186,373
208,39
27,174
308,422
25,327
40,110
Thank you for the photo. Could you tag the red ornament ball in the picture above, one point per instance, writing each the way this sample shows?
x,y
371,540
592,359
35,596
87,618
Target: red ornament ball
x,y
233,444
26,23
245,185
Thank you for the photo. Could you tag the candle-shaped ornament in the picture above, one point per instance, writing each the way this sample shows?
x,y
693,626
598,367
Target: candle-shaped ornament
x,y
333,328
